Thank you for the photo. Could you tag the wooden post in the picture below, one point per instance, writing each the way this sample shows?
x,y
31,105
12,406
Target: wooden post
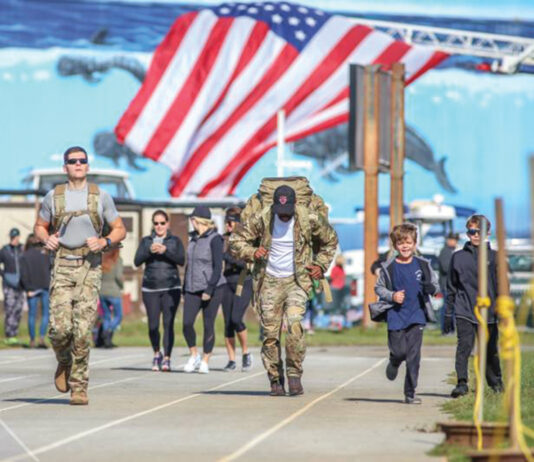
x,y
370,236
504,291
396,203
482,293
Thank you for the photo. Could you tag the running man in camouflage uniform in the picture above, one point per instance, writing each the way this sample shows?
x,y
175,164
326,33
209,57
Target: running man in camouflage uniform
x,y
290,248
70,224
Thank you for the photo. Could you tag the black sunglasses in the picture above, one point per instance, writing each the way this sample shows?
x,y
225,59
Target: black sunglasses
x,y
473,231
160,223
75,161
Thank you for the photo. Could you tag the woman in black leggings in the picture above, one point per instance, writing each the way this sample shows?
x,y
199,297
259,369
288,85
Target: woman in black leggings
x,y
161,252
203,286
234,306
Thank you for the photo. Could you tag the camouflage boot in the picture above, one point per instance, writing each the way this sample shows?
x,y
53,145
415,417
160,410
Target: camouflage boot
x,y
61,378
79,398
295,386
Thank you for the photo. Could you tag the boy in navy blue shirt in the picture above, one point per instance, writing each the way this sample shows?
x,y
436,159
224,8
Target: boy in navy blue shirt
x,y
404,286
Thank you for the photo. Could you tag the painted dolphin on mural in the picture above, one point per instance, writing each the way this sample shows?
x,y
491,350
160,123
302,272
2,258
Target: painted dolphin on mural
x,y
330,144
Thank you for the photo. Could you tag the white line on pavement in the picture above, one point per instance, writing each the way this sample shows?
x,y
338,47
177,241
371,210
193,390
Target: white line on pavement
x,y
60,395
114,423
24,360
258,439
91,363
12,379
19,441
101,361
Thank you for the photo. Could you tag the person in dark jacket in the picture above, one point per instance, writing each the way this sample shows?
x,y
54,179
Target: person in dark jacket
x,y
13,293
462,292
444,260
234,306
161,252
202,286
111,295
405,284
35,281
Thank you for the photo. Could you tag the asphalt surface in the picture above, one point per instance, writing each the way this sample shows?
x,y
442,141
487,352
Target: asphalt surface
x,y
349,411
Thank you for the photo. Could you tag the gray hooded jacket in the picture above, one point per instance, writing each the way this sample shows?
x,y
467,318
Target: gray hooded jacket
x,y
384,290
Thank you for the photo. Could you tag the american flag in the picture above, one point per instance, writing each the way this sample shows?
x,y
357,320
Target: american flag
x,y
207,108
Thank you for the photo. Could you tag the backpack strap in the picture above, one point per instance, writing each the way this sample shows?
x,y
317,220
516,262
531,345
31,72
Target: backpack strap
x,y
93,197
304,221
59,206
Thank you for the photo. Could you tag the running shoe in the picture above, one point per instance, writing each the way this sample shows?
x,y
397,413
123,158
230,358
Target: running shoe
x,y
11,341
192,363
460,390
412,400
391,371
203,368
247,362
156,362
166,365
230,366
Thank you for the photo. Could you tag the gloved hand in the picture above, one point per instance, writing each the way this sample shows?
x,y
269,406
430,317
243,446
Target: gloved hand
x,y
428,288
448,325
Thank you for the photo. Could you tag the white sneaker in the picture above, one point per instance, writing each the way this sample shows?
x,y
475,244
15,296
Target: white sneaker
x,y
203,368
192,363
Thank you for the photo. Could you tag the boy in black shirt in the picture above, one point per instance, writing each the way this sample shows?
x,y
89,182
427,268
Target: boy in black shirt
x,y
404,285
462,292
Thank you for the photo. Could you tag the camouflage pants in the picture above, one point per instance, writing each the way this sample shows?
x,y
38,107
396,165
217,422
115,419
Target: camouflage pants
x,y
71,320
281,298
13,301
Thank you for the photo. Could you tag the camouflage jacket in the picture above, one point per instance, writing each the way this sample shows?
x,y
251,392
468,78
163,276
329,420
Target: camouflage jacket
x,y
315,243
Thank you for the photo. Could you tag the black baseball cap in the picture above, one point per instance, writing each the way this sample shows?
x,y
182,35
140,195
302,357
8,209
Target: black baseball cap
x,y
284,200
201,211
232,217
14,232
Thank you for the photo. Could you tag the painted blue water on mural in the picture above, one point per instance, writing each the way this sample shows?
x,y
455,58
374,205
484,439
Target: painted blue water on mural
x,y
482,123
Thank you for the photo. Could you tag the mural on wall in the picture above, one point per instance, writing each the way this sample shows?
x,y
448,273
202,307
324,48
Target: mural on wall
x,y
468,137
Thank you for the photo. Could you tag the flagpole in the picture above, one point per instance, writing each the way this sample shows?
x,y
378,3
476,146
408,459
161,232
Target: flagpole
x,y
280,144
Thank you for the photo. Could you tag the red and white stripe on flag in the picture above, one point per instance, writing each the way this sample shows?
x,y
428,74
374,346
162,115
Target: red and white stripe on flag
x,y
207,108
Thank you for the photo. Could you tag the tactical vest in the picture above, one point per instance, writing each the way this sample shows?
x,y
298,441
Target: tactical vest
x,y
62,217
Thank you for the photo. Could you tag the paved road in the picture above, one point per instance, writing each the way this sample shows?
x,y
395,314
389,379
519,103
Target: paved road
x,y
349,411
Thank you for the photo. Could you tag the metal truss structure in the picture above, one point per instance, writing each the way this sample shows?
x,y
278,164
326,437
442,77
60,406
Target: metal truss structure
x,y
507,52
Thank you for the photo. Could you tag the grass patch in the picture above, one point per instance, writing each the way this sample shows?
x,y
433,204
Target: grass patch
x,y
462,408
134,332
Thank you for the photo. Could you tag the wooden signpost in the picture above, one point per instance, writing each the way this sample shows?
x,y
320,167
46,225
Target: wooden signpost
x,y
376,144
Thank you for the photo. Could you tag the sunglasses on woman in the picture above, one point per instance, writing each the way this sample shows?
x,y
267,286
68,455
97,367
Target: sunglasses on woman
x,y
159,223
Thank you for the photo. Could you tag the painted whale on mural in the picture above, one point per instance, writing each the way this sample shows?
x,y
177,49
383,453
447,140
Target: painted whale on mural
x,y
90,68
330,144
105,144
324,146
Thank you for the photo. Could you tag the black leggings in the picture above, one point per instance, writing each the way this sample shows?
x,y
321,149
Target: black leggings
x,y
165,302
192,305
234,307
